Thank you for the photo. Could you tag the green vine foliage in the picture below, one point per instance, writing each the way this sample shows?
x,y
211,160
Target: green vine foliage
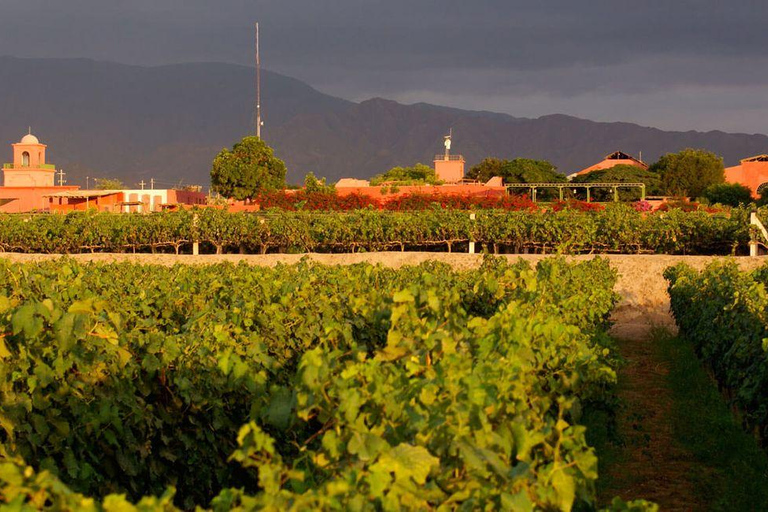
x,y
724,312
618,228
301,387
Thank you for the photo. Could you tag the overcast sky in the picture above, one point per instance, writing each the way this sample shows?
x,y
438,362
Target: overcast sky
x,y
672,64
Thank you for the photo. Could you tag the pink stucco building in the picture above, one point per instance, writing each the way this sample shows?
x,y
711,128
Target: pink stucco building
x,y
612,160
751,172
28,186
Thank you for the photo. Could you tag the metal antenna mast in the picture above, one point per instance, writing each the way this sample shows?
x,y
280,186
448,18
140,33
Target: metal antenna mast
x,y
258,84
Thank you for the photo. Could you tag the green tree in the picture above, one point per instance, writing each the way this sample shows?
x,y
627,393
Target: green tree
x,y
623,174
312,184
519,170
249,168
689,172
419,174
729,194
487,169
762,191
109,184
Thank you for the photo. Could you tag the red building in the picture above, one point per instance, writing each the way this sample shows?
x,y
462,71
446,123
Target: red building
x,y
752,173
612,160
28,179
124,201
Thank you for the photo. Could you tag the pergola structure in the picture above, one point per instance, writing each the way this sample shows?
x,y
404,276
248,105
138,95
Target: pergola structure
x,y
561,187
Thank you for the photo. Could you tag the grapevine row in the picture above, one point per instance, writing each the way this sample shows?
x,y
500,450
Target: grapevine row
x,y
723,311
303,387
618,228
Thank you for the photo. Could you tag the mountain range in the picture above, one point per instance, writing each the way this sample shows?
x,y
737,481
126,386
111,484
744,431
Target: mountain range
x,y
167,123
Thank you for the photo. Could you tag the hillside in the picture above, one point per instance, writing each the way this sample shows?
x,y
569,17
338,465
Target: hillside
x,y
168,122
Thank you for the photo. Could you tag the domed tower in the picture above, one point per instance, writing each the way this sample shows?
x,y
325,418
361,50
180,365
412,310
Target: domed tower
x,y
29,168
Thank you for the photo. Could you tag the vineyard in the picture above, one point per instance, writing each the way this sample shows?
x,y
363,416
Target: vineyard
x,y
724,312
617,228
302,387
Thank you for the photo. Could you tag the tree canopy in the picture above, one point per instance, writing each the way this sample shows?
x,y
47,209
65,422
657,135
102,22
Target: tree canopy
x,y
689,172
248,169
729,194
624,173
109,184
312,184
419,174
519,170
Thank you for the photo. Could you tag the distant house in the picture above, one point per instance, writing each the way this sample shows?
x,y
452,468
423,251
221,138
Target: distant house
x,y
752,173
125,201
612,160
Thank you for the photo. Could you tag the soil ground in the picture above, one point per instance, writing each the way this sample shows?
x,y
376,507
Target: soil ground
x,y
650,462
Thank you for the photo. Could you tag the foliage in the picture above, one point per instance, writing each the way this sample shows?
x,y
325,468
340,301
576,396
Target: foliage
x,y
419,174
642,206
425,388
616,228
724,313
314,201
249,168
109,184
729,194
689,172
417,202
581,206
314,185
623,174
519,170
321,201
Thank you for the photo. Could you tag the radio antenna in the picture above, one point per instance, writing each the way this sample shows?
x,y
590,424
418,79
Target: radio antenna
x,y
258,84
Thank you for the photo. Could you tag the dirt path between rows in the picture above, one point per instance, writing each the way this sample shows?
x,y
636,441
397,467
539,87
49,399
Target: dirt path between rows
x,y
644,301
651,464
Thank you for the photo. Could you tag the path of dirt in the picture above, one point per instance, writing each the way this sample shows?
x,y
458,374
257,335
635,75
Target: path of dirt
x,y
641,284
651,463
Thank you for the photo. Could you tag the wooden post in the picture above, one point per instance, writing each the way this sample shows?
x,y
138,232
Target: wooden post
x,y
561,192
472,217
615,194
589,196
642,192
754,249
195,244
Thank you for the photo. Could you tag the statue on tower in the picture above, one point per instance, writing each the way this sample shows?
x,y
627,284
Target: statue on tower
x,y
447,143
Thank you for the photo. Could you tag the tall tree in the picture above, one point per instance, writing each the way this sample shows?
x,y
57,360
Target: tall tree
x,y
519,170
249,168
689,172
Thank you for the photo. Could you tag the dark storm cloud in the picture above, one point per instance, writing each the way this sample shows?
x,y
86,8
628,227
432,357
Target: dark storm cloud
x,y
655,62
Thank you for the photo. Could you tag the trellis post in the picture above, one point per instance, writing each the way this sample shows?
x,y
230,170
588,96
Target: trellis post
x,y
195,243
472,217
754,248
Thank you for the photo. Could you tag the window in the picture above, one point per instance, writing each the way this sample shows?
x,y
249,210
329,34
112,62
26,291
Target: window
x,y
25,159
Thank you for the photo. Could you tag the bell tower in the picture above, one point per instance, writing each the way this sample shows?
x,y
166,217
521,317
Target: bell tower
x,y
29,168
